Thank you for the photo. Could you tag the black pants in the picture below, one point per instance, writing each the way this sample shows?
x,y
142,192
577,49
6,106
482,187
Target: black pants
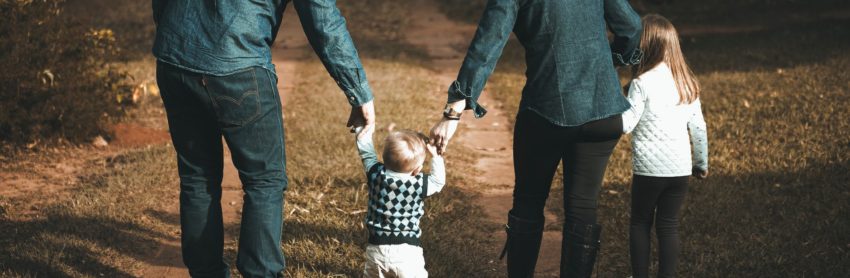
x,y
659,199
539,146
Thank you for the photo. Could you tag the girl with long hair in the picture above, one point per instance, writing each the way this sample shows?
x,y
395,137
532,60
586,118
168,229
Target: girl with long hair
x,y
666,112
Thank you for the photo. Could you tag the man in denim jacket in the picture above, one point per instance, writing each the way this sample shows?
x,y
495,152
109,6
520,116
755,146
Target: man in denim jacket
x,y
216,78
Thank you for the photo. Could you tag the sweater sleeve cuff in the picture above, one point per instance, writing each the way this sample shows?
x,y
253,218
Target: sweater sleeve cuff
x,y
458,94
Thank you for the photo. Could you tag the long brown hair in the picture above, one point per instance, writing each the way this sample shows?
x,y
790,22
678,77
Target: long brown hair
x,y
660,43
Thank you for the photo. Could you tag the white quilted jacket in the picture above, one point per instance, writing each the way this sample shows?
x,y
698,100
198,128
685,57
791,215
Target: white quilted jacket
x,y
660,127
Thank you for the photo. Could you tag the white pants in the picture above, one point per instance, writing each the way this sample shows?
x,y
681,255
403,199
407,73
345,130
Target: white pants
x,y
401,261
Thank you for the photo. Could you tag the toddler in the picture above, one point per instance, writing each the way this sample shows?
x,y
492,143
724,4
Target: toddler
x,y
397,189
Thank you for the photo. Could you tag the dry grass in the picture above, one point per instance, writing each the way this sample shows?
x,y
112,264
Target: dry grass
x,y
776,205
776,104
109,224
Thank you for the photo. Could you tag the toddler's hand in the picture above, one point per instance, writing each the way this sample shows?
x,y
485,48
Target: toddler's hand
x,y
700,173
364,133
432,150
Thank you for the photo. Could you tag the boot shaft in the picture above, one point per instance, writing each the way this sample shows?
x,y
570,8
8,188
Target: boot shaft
x,y
579,249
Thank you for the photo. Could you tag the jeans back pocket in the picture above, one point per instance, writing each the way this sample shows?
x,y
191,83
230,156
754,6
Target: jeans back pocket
x,y
235,97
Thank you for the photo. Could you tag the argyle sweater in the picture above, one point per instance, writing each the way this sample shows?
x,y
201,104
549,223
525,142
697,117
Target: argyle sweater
x,y
396,200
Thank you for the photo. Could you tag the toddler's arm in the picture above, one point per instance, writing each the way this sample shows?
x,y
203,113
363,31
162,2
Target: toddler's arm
x,y
366,148
437,177
637,98
699,137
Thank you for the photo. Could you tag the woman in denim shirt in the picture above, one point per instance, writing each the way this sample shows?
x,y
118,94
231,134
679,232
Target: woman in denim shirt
x,y
570,111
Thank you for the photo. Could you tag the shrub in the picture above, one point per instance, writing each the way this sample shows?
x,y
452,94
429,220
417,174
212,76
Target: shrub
x,y
55,82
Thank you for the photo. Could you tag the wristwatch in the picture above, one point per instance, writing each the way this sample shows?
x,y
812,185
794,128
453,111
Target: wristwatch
x,y
451,114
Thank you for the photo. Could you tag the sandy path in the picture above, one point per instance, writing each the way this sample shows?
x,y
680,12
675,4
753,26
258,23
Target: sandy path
x,y
446,41
290,48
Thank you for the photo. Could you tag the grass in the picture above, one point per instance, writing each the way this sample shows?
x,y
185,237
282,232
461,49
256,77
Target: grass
x,y
105,226
775,206
329,240
775,102
110,222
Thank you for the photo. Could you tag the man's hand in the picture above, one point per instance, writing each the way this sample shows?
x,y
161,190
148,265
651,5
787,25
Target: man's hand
x,y
363,116
699,173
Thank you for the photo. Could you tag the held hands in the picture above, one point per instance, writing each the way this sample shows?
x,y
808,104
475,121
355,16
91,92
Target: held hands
x,y
432,149
699,173
364,133
363,116
443,131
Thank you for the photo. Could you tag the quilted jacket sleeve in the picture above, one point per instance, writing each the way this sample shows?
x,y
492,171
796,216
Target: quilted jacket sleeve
x,y
699,136
637,98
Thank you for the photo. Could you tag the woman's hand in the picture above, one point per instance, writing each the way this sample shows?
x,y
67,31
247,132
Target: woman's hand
x,y
442,132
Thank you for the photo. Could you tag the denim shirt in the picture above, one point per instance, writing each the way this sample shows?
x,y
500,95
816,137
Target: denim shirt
x,y
224,36
571,79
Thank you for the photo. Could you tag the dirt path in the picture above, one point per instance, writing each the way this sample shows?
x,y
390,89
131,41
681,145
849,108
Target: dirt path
x,y
446,41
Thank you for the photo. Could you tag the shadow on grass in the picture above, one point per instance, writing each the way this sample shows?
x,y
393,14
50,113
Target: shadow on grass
x,y
778,47
61,245
776,224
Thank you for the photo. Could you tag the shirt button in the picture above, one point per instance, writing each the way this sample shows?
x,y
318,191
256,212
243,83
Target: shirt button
x,y
351,98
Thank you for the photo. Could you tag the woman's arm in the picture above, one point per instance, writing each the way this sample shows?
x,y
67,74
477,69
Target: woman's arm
x,y
637,98
493,33
625,23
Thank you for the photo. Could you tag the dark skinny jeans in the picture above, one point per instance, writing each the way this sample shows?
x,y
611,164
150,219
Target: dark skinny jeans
x,y
659,199
539,146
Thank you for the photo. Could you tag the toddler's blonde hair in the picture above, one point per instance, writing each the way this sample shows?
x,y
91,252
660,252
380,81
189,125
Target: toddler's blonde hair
x,y
404,151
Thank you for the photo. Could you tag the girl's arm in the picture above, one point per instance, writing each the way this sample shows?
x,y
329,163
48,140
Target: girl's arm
x,y
699,136
637,98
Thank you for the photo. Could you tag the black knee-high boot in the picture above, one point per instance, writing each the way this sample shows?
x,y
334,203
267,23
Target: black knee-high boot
x,y
578,250
522,245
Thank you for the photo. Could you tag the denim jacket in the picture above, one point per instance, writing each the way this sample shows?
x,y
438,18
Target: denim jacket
x,y
224,36
571,79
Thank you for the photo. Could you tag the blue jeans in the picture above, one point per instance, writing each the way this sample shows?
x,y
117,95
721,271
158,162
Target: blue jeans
x,y
245,109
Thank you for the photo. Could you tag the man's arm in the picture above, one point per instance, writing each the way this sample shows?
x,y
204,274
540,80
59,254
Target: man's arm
x,y
625,23
326,30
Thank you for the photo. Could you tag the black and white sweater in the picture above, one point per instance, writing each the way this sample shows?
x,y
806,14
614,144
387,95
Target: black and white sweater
x,y
396,200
